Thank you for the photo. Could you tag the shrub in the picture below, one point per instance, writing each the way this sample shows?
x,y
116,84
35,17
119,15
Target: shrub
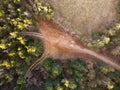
x,y
18,52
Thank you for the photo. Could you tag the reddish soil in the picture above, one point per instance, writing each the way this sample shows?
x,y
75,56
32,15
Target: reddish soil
x,y
60,44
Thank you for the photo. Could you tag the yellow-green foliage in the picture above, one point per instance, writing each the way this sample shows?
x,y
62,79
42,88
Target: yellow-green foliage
x,y
18,52
109,39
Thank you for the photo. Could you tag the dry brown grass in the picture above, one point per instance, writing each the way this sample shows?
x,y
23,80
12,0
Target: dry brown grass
x,y
85,16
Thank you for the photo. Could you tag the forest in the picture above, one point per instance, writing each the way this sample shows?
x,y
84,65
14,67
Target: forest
x,y
36,53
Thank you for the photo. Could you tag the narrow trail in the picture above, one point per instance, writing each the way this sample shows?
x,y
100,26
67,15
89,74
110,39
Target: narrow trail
x,y
60,44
